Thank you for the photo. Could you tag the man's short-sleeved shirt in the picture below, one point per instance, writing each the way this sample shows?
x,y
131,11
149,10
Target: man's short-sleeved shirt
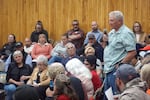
x,y
119,43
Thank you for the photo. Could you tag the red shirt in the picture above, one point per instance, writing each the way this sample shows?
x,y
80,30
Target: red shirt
x,y
62,97
96,80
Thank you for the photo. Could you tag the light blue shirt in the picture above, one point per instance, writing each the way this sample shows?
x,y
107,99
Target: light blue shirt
x,y
59,49
98,35
119,43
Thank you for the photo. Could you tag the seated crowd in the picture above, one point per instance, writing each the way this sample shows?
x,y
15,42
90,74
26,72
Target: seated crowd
x,y
72,69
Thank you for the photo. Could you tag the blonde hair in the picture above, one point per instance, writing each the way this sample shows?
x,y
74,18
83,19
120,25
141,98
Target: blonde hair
x,y
89,49
145,73
54,69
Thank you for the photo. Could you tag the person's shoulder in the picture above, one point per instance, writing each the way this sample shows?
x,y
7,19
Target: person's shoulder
x,y
27,65
81,30
127,30
130,96
111,31
94,73
45,31
74,79
69,31
99,31
63,97
33,32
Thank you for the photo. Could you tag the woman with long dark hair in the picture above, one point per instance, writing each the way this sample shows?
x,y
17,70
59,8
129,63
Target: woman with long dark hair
x,y
63,89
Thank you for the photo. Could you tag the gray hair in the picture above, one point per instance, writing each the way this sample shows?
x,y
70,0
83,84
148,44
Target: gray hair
x,y
54,69
70,44
17,52
117,14
42,58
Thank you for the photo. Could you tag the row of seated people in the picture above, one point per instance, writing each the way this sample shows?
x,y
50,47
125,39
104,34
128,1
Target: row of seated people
x,y
84,73
74,81
75,35
72,50
62,52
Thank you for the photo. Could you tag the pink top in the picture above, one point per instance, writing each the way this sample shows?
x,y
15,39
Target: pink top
x,y
39,49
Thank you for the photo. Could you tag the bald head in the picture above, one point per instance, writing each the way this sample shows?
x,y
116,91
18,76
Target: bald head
x,y
28,42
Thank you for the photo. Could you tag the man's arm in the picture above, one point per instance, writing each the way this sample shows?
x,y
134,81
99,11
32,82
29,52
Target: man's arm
x,y
130,55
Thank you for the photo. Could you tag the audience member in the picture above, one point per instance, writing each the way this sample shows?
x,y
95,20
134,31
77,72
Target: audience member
x,y
76,35
92,42
59,51
56,69
121,48
104,39
38,30
41,48
25,92
18,73
129,83
90,63
79,70
91,51
145,73
63,89
28,46
27,59
8,48
39,78
71,51
97,33
140,35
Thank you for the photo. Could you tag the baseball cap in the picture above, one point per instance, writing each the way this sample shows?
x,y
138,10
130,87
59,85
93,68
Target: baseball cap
x,y
126,72
145,48
26,92
18,44
91,36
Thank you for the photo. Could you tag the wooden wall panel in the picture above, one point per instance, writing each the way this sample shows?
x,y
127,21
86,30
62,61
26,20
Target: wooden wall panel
x,y
20,16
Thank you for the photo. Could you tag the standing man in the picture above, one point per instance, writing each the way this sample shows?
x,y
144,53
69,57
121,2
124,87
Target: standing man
x,y
76,35
98,34
121,48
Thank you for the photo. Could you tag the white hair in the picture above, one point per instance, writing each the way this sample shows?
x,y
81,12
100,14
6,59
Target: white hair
x,y
117,14
17,52
77,68
42,58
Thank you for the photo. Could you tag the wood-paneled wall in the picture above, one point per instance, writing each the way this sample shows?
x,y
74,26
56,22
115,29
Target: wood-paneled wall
x,y
20,16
